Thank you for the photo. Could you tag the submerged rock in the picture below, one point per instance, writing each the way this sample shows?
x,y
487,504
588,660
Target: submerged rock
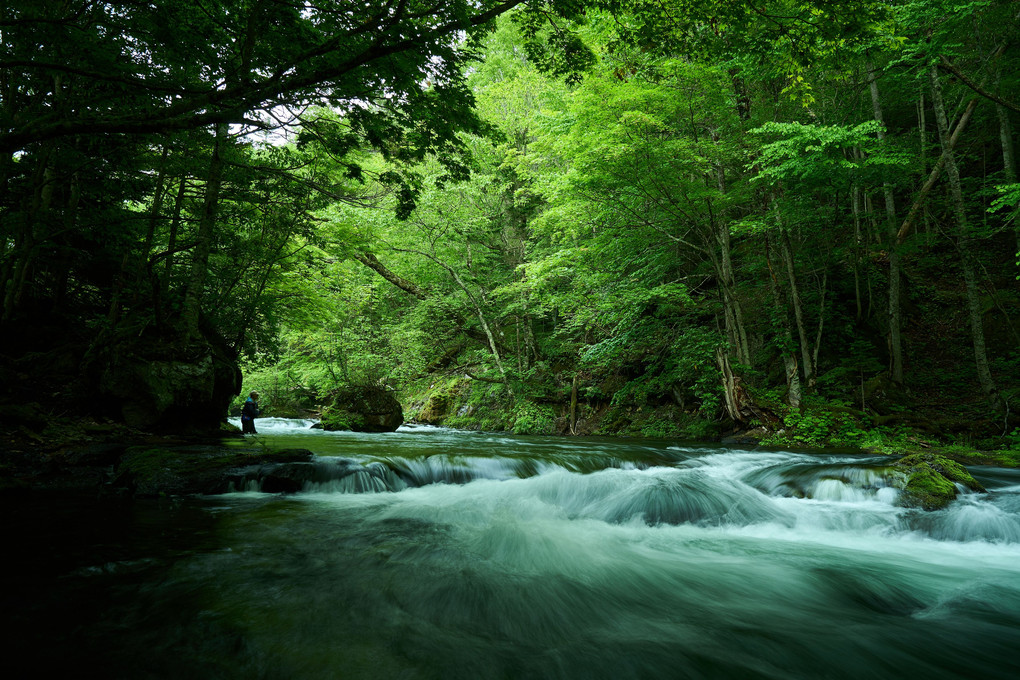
x,y
931,481
199,469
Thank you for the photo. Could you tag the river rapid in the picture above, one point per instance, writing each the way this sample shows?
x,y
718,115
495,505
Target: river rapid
x,y
431,553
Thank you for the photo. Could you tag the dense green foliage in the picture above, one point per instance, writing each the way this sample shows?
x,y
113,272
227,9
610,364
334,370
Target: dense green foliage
x,y
677,218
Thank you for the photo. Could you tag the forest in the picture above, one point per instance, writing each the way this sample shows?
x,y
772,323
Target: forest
x,y
792,222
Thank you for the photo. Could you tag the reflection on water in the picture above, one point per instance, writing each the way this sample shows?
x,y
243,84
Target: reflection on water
x,y
428,553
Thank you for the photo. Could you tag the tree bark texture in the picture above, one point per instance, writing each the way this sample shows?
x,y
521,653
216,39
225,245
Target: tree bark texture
x,y
895,309
964,238
789,357
192,306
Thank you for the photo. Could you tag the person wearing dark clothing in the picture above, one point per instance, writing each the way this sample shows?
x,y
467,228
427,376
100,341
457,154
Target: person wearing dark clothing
x,y
249,412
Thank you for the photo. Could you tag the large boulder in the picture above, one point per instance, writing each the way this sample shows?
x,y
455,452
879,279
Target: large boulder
x,y
182,386
931,481
363,409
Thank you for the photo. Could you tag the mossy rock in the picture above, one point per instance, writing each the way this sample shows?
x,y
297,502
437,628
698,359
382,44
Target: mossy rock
x,y
363,409
436,409
341,419
931,481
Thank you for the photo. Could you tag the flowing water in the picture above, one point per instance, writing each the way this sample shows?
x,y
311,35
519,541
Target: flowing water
x,y
429,553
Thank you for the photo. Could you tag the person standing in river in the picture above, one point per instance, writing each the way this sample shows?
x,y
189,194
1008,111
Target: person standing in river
x,y
249,412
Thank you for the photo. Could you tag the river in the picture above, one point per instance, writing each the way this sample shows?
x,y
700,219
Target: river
x,y
431,553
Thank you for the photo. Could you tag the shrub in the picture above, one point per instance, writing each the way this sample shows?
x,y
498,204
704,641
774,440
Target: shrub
x,y
531,418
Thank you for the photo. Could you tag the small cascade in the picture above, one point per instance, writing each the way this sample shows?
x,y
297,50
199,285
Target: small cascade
x,y
347,475
676,486
278,425
972,520
836,481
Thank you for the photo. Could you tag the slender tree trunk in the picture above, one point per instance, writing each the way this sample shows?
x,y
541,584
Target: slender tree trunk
x,y
742,345
895,312
966,260
821,321
175,223
70,223
734,313
573,406
922,127
531,351
789,356
200,258
729,385
30,235
373,263
133,265
798,311
855,207
726,296
922,195
1006,140
157,204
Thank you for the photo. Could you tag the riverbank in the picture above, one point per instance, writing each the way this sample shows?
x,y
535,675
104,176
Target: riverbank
x,y
105,458
907,424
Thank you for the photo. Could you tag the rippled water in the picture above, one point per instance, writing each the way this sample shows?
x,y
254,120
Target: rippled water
x,y
429,553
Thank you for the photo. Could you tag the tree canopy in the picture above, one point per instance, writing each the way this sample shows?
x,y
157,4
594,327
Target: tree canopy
x,y
677,217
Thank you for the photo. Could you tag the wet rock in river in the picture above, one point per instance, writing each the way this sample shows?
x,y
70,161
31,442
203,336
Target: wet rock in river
x,y
933,481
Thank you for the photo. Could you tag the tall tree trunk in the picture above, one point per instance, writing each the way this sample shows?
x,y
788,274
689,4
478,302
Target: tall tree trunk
x,y
1006,140
191,309
798,311
175,223
573,405
731,304
821,322
734,313
966,254
729,382
895,311
133,267
855,208
30,234
531,348
922,195
789,356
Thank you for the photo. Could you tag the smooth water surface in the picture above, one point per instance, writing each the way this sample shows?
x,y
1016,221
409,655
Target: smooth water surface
x,y
430,553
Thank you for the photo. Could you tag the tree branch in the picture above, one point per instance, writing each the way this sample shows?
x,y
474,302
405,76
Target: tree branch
x,y
908,223
373,263
947,65
228,104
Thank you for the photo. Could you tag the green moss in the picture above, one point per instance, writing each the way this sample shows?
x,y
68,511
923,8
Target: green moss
x,y
441,401
931,480
531,418
340,419
1009,458
928,489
